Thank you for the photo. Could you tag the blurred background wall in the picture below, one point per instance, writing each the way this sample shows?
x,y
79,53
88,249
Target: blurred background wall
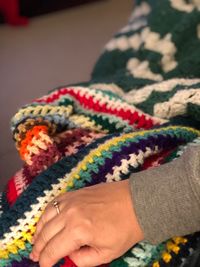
x,y
55,49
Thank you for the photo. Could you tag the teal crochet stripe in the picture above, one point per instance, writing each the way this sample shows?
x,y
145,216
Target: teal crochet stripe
x,y
123,149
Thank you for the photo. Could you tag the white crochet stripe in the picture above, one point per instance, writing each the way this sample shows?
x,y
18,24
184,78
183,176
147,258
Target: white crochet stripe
x,y
37,209
141,69
119,122
177,105
20,181
141,10
153,41
137,25
184,6
141,95
142,253
108,87
124,43
102,99
81,120
135,262
135,161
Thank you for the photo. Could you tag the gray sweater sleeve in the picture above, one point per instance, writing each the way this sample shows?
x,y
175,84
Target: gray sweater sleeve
x,y
166,199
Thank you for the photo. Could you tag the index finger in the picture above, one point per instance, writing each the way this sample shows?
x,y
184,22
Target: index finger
x,y
62,244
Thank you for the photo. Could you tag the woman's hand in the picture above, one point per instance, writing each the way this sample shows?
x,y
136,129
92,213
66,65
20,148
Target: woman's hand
x,y
96,225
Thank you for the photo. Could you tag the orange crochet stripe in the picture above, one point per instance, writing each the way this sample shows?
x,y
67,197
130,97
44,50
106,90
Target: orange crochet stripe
x,y
33,132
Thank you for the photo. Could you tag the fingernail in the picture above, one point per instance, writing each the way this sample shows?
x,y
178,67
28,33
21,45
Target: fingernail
x,y
33,257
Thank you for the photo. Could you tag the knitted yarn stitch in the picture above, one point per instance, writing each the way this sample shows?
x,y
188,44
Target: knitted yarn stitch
x,y
140,109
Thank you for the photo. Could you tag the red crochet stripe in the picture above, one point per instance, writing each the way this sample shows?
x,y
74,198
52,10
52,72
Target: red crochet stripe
x,y
68,263
88,102
11,193
156,160
11,189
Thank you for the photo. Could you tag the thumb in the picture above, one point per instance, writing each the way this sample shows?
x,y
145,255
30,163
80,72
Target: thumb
x,y
87,256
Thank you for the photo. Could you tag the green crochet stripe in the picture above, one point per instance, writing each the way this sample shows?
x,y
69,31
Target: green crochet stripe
x,y
115,71
98,161
159,97
108,122
182,133
193,110
22,253
142,254
145,254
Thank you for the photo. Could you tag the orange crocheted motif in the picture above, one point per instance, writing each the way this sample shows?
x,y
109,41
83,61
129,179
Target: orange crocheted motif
x,y
34,132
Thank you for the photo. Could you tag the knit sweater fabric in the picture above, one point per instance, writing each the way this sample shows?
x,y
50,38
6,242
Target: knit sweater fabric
x,y
140,109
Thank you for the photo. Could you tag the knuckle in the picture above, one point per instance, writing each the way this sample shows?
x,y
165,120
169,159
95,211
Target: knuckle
x,y
87,223
39,225
43,219
49,206
43,236
74,210
49,251
78,232
82,235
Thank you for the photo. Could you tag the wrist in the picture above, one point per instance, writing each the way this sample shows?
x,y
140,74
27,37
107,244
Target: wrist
x,y
135,228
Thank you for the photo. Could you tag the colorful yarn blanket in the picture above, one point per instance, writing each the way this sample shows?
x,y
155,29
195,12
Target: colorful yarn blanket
x,y
140,109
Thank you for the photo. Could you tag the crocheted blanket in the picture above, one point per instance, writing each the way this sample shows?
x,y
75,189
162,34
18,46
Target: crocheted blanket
x,y
140,109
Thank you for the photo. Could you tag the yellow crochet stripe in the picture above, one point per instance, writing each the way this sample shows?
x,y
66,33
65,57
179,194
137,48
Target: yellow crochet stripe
x,y
19,243
108,144
171,247
85,122
42,111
